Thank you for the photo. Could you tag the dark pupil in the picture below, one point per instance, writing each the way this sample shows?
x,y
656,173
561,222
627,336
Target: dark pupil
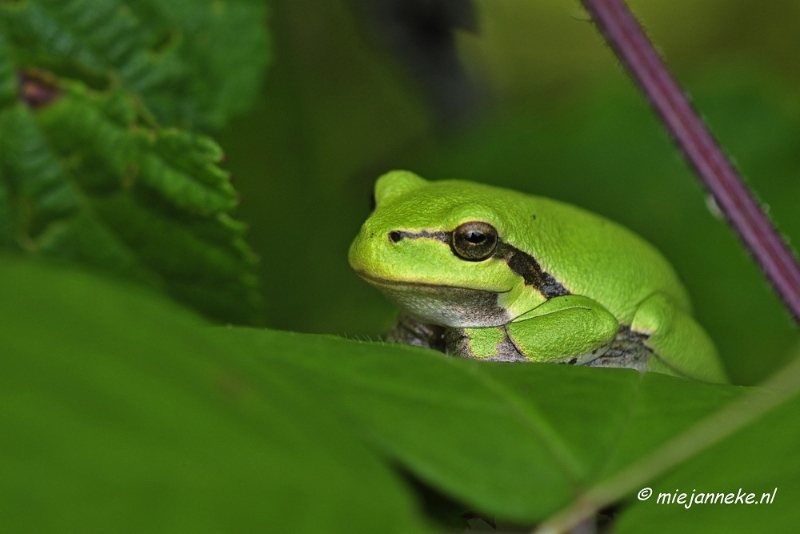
x,y
474,241
476,237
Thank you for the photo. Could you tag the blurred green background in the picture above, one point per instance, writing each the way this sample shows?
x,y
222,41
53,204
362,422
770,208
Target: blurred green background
x,y
531,98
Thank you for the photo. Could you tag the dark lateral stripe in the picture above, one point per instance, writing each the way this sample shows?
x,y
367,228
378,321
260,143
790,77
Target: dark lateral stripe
x,y
531,272
520,262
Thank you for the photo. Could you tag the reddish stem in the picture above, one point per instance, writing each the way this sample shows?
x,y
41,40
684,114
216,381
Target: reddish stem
x,y
637,54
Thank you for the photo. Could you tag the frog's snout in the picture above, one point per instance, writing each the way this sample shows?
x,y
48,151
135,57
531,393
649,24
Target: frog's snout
x,y
362,250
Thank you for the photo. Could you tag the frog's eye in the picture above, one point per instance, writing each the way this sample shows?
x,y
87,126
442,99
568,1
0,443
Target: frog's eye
x,y
474,241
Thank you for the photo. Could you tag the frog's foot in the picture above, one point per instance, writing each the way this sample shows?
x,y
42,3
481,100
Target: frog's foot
x,y
629,349
410,331
679,345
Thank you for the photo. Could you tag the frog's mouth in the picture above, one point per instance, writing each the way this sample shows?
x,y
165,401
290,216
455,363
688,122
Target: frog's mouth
x,y
444,305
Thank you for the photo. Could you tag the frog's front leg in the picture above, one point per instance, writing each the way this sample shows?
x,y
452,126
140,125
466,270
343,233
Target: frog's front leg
x,y
569,329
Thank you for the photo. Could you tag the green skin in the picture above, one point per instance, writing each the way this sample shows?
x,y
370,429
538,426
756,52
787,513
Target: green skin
x,y
561,285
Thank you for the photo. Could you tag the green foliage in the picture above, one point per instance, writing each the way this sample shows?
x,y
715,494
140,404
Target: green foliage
x,y
122,412
131,404
760,459
193,62
92,168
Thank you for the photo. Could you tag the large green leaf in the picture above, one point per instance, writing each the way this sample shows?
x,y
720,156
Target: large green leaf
x,y
121,413
514,441
117,401
761,459
712,476
121,408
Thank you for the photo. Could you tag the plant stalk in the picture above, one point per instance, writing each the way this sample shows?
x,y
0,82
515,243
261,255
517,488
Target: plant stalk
x,y
738,204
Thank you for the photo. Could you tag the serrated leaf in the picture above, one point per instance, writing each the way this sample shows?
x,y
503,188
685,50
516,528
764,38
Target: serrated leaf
x,y
89,182
166,161
122,413
97,80
191,160
193,63
33,174
223,43
211,275
87,240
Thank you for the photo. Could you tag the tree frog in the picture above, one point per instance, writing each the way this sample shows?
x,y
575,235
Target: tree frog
x,y
497,275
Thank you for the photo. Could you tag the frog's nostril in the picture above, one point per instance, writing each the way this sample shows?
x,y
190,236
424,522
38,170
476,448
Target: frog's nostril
x,y
394,237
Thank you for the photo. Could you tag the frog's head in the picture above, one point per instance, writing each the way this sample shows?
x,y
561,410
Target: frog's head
x,y
437,249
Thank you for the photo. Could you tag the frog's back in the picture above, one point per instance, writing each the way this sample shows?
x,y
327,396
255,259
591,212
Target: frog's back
x,y
598,258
